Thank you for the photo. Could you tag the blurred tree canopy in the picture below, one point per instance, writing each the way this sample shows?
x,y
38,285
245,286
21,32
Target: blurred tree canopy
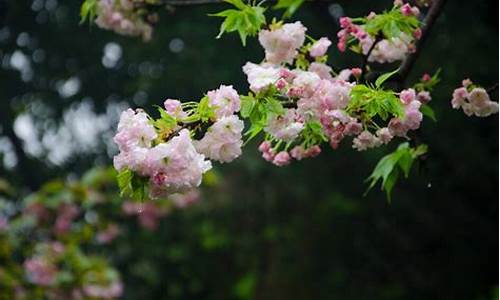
x,y
300,232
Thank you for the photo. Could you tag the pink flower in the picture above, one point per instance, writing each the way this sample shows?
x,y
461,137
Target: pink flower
x,y
284,127
134,130
424,97
261,76
408,10
148,212
466,82
407,96
134,159
116,18
413,116
320,47
281,84
356,72
384,134
365,141
353,128
479,98
265,146
281,44
109,234
4,223
371,15
39,271
299,153
282,159
322,70
417,33
460,95
66,213
345,22
225,100
426,77
114,290
266,150
305,82
179,161
222,141
185,200
174,108
387,51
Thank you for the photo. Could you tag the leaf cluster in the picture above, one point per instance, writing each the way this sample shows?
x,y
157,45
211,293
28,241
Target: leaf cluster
x,y
391,166
246,19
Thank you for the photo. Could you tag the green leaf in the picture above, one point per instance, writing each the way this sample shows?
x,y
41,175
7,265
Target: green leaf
x,y
405,162
428,112
88,11
313,134
124,179
274,106
389,168
247,105
290,6
139,187
370,102
383,78
205,111
390,183
246,20
245,287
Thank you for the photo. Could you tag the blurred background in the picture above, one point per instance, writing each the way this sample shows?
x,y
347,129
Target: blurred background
x,y
258,232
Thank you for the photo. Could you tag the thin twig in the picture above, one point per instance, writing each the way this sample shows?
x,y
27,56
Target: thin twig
x,y
431,17
492,88
364,66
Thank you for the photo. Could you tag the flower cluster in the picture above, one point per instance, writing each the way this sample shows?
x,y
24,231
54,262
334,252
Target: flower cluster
x,y
300,104
59,239
164,155
125,17
473,100
387,37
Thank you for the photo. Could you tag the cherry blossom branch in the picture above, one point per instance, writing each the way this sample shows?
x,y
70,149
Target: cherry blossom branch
x,y
201,2
432,15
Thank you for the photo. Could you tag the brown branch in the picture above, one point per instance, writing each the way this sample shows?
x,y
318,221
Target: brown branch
x,y
431,17
364,66
201,2
493,88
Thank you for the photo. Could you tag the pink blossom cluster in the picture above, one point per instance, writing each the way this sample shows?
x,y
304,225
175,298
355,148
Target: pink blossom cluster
x,y
107,235
386,50
283,158
121,17
40,271
316,95
148,213
110,291
4,223
473,100
65,215
173,161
